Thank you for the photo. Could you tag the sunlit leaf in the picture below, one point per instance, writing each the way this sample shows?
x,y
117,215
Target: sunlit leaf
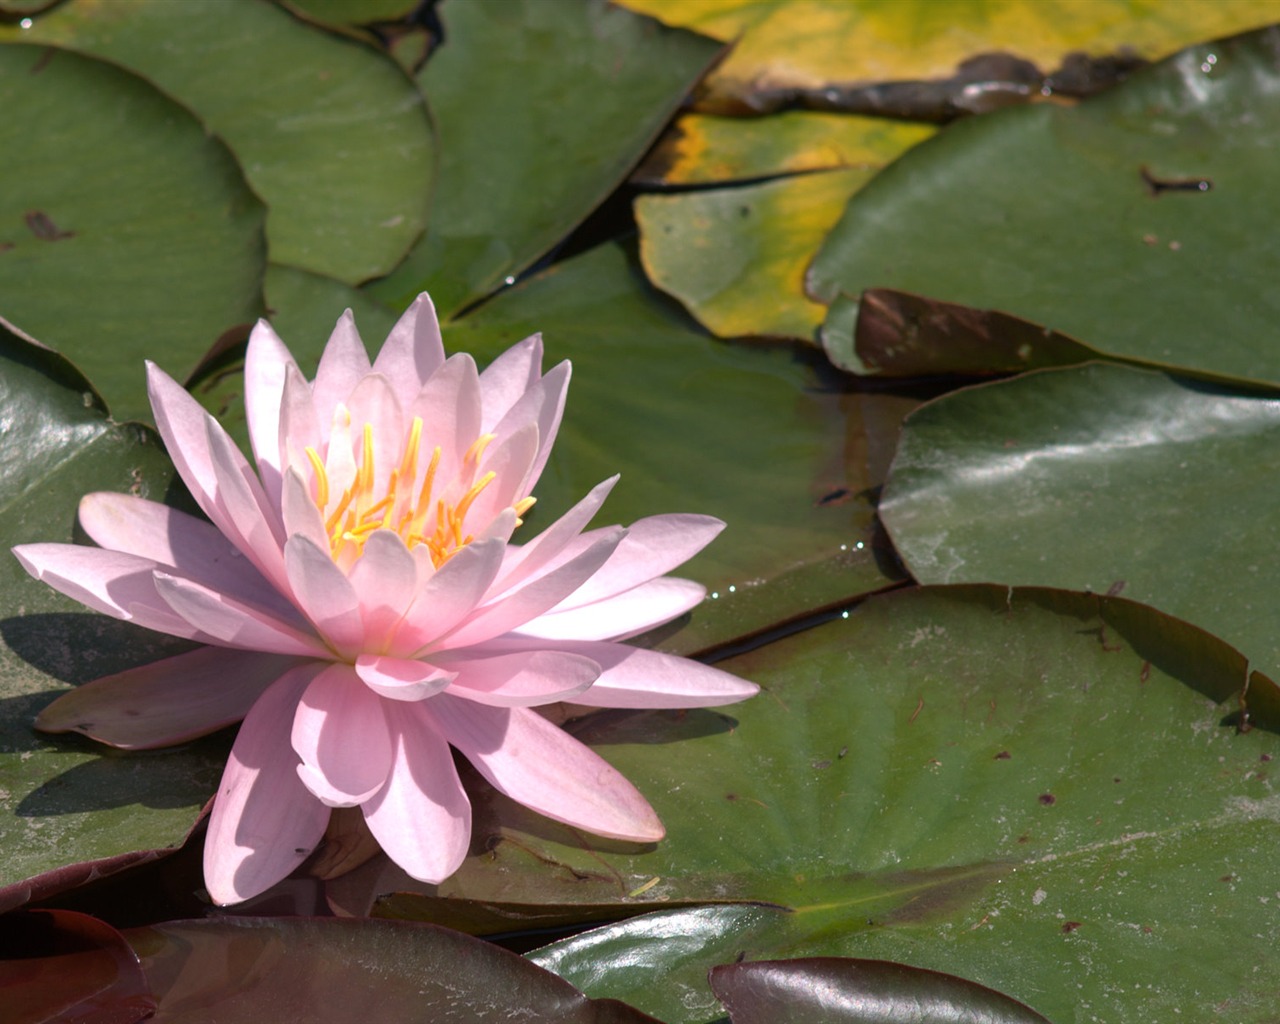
x,y
542,110
736,257
125,230
1130,222
329,133
1035,790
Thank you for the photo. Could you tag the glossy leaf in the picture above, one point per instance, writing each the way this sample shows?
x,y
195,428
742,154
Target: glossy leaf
x,y
807,44
1105,478
354,12
63,802
833,990
542,110
1038,791
57,965
1129,221
125,230
332,971
702,149
329,133
736,257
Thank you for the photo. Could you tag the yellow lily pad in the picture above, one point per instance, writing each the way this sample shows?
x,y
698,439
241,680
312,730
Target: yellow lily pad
x,y
704,148
736,257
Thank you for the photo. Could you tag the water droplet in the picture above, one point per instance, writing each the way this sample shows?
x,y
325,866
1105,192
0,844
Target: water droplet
x,y
844,615
1209,61
732,588
25,23
509,279
715,594
859,546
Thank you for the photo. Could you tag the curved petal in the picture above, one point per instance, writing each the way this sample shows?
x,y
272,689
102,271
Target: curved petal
x,y
413,350
542,404
449,596
300,426
266,365
169,701
422,817
520,606
233,623
449,407
298,511
341,735
541,766
374,402
342,364
509,460
518,680
324,594
112,582
508,377
193,547
264,822
615,618
256,527
385,578
402,679
652,548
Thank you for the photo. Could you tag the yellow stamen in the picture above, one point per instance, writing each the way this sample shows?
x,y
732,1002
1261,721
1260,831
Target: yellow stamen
x,y
322,478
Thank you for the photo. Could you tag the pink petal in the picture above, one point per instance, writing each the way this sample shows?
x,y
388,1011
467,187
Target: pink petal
x,y
449,407
542,404
112,582
266,365
264,822
541,766
508,377
510,460
342,364
385,579
374,402
166,702
195,548
632,677
298,510
300,426
531,600
653,547
413,350
324,594
233,623
422,817
450,595
550,546
249,521
341,735
401,679
640,608
518,680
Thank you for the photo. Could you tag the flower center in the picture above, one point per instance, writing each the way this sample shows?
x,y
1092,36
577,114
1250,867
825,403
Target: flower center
x,y
417,515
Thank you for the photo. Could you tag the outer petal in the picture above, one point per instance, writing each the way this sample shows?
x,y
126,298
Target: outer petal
x,y
422,817
264,822
632,677
525,679
449,596
341,735
168,701
449,407
324,594
233,623
385,578
413,350
640,608
266,365
112,582
508,377
342,364
541,766
401,679
195,548
542,404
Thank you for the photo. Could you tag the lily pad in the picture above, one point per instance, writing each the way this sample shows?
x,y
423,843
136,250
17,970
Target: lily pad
x,y
330,133
736,257
1034,790
1104,478
64,802
531,143
125,230
1156,256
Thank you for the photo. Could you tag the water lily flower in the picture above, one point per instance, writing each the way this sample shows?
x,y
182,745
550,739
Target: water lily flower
x,y
363,607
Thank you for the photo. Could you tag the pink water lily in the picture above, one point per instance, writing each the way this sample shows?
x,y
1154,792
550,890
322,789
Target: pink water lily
x,y
364,608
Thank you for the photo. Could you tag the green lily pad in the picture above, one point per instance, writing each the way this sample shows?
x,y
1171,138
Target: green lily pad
x,y
329,132
125,230
65,802
1104,478
542,110
1130,222
1034,790
736,257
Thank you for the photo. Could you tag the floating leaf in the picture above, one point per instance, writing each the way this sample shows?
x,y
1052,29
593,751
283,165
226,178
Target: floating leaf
x,y
125,230
543,109
1129,222
329,133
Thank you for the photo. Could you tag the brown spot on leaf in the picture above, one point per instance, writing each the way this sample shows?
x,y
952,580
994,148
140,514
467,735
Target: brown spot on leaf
x,y
836,497
1070,926
42,226
1004,755
1048,799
